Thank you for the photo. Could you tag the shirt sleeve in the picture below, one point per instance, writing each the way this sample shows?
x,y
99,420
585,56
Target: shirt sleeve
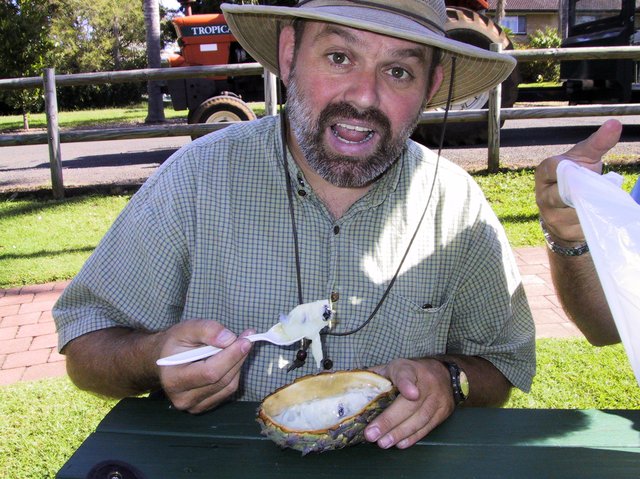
x,y
492,318
138,275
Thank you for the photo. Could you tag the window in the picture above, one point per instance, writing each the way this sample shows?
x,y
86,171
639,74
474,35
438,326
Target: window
x,y
516,23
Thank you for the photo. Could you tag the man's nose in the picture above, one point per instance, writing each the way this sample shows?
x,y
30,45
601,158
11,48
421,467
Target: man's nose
x,y
363,91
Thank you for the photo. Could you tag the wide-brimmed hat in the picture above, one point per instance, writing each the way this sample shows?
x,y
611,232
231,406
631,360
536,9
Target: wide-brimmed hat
x,y
421,21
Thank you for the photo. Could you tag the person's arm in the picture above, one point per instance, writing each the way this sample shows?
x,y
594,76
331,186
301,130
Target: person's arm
x,y
120,362
575,277
582,297
425,397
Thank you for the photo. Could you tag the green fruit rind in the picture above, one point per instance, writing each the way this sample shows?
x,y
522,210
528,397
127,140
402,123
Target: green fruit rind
x,y
346,433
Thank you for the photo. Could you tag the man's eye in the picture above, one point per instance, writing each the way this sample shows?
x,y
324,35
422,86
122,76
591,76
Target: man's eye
x,y
399,73
339,58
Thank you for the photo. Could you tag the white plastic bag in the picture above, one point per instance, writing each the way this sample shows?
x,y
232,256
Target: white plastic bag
x,y
610,219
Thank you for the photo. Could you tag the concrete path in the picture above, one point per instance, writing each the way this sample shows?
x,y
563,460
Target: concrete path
x,y
28,338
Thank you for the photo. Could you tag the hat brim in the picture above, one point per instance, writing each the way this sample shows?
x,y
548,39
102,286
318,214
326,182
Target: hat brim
x,y
256,28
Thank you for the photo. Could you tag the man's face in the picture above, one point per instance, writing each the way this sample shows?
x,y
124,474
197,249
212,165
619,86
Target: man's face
x,y
353,99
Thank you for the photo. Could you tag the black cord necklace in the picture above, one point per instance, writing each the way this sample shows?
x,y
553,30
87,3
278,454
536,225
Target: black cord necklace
x,y
301,354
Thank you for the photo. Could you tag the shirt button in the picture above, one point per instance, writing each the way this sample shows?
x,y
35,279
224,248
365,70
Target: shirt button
x,y
302,193
336,230
334,296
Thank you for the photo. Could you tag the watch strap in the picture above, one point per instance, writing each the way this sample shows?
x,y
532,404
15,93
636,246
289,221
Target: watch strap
x,y
563,250
456,388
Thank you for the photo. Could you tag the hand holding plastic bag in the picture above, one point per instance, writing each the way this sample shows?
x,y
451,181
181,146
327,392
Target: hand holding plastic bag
x,y
610,220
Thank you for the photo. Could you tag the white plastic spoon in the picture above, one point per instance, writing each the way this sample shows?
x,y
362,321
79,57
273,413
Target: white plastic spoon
x,y
304,321
275,335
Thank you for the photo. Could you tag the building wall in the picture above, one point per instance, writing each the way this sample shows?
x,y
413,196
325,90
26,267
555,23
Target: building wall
x,y
535,21
538,21
541,20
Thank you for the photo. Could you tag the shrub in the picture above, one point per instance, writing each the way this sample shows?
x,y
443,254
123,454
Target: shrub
x,y
541,70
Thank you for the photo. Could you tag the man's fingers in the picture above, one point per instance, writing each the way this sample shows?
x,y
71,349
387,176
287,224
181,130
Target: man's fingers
x,y
593,148
195,386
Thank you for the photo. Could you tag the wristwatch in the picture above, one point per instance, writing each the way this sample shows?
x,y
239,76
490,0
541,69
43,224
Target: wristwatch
x,y
459,382
578,250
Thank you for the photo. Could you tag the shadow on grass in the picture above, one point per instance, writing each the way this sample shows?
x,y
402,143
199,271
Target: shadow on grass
x,y
46,253
40,201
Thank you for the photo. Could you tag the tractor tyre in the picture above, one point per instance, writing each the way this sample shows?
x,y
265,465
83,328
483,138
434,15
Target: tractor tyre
x,y
220,109
471,27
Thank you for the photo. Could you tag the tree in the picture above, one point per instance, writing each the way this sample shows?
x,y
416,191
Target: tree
x,y
501,7
100,35
24,30
155,107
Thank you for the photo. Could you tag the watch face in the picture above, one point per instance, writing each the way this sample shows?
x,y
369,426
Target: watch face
x,y
464,384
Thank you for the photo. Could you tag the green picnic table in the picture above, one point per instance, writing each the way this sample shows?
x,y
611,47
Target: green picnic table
x,y
148,437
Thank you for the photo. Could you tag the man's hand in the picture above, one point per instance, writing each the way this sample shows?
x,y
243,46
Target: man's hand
x,y
121,362
560,219
202,385
425,401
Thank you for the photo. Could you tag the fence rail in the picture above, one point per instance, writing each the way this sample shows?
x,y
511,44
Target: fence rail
x,y
493,115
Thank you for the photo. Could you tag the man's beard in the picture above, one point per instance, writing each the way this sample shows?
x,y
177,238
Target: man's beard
x,y
339,170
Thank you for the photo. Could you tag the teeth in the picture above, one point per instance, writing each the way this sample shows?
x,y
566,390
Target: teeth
x,y
367,138
352,127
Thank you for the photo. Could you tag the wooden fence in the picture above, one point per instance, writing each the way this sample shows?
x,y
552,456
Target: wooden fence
x,y
493,115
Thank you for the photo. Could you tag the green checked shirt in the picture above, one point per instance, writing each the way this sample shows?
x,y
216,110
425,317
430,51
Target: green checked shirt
x,y
209,236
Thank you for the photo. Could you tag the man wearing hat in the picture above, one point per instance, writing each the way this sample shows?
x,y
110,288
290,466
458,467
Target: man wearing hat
x,y
329,200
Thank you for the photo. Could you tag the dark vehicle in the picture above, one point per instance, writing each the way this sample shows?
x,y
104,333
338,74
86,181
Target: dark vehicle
x,y
601,81
595,81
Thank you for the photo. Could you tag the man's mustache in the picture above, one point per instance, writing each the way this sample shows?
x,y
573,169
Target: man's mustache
x,y
344,110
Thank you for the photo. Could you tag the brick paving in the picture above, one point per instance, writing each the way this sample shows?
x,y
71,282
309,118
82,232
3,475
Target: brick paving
x,y
28,338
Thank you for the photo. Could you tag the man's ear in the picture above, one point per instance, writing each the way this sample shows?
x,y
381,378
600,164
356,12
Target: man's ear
x,y
286,49
436,81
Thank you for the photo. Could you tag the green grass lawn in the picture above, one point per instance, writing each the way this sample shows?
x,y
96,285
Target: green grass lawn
x,y
46,240
43,422
86,118
102,118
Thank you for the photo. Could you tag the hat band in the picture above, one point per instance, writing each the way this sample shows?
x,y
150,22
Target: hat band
x,y
425,22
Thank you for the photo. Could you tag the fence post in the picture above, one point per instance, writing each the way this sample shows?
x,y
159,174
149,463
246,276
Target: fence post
x,y
270,93
495,103
53,133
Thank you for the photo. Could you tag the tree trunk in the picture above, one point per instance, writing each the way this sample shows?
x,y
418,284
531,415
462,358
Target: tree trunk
x,y
115,51
25,120
155,109
501,6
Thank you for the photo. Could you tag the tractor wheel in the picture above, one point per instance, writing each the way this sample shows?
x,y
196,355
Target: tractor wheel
x,y
220,109
478,30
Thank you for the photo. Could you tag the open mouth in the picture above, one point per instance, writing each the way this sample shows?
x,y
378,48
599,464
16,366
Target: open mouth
x,y
352,134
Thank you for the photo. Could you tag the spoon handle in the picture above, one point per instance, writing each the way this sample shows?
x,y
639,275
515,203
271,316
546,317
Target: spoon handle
x,y
196,354
202,352
188,356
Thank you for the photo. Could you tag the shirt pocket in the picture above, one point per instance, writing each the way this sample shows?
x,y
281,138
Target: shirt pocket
x,y
403,328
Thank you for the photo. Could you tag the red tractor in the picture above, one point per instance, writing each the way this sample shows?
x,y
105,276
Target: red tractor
x,y
205,39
